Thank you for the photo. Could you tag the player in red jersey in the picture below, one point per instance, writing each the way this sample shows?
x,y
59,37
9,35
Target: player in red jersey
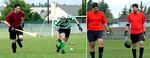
x,y
95,22
137,20
14,20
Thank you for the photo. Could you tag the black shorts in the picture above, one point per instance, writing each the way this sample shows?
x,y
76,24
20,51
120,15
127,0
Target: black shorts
x,y
137,37
14,33
94,35
66,31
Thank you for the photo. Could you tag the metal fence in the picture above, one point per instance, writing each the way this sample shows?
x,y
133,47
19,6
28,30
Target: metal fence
x,y
117,32
46,29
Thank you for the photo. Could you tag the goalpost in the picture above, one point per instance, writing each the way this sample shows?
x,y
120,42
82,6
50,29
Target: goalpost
x,y
55,12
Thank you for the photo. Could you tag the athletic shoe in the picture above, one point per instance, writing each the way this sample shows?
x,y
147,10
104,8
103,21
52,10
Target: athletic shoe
x,y
62,51
58,48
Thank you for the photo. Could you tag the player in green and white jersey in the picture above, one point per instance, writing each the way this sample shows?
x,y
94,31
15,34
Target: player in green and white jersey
x,y
62,25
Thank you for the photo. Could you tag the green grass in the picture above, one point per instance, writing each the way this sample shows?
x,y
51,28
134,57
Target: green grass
x,y
116,49
44,47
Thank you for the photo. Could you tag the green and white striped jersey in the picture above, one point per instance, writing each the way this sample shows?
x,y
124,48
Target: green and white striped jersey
x,y
58,24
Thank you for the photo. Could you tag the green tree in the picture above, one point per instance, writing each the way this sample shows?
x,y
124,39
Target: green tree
x,y
124,12
36,16
89,5
141,6
130,9
33,5
82,10
25,7
145,9
148,11
105,8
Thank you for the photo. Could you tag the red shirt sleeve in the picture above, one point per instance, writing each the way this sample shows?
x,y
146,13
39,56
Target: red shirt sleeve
x,y
144,18
87,15
22,13
128,19
8,17
104,21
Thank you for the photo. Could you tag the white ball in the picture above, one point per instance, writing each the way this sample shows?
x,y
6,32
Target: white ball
x,y
71,49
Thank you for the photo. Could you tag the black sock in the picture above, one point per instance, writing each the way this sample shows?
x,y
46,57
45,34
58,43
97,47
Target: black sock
x,y
19,43
134,53
141,52
14,47
100,51
92,54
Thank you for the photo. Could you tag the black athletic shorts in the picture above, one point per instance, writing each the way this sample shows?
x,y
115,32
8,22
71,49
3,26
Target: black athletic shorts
x,y
137,37
14,33
94,35
66,31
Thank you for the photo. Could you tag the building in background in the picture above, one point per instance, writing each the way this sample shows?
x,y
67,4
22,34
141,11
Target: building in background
x,y
69,9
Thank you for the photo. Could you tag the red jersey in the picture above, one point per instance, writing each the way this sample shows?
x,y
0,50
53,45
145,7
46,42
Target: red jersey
x,y
95,21
14,19
137,21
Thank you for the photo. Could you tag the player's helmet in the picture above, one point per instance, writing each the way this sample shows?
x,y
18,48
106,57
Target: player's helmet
x,y
127,44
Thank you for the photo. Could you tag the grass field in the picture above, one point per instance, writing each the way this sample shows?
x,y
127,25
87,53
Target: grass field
x,y
44,47
116,49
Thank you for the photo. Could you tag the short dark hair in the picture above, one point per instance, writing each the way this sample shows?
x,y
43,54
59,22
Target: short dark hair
x,y
17,5
94,5
135,5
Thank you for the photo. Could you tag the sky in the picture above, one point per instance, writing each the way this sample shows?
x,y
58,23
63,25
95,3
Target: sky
x,y
72,2
115,6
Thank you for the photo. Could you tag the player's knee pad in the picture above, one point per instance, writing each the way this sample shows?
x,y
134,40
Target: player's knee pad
x,y
20,36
